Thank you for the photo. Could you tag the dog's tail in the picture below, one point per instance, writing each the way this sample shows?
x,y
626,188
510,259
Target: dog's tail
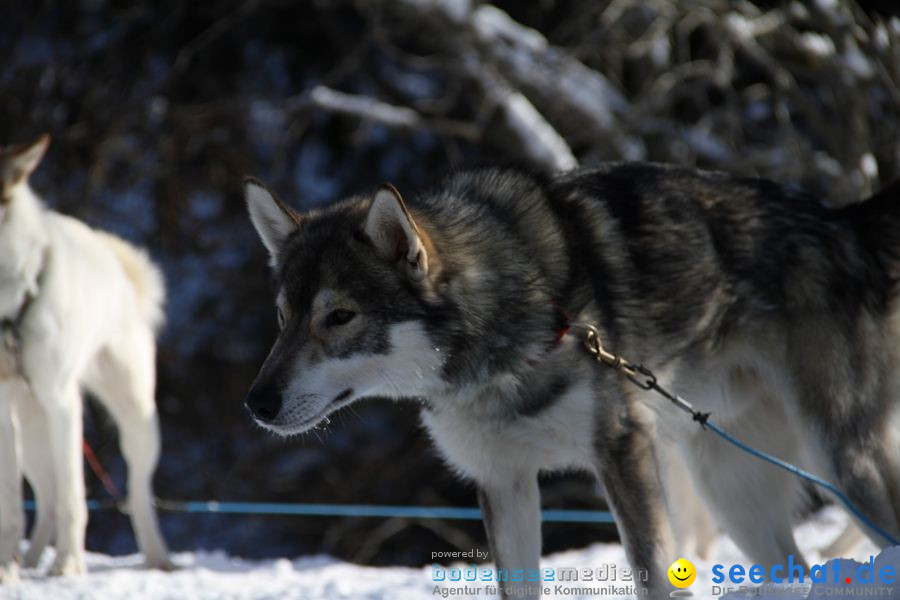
x,y
144,275
878,221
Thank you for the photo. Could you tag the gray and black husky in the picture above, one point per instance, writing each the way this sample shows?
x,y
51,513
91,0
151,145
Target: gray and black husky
x,y
755,301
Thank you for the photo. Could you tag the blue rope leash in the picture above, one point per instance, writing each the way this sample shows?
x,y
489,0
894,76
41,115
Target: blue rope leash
x,y
348,510
645,379
708,423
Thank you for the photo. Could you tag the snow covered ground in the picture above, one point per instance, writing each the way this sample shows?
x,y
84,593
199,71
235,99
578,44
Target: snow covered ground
x,y
216,576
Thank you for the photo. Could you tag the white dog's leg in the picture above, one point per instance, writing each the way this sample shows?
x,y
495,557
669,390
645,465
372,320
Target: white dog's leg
x,y
511,510
38,464
124,380
12,517
64,410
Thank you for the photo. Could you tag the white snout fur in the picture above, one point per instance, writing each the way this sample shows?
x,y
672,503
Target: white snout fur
x,y
411,368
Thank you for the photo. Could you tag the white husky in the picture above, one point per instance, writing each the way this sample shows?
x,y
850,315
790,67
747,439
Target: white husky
x,y
79,308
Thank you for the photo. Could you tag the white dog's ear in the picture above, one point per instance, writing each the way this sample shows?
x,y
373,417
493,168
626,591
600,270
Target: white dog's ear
x,y
274,220
393,232
21,161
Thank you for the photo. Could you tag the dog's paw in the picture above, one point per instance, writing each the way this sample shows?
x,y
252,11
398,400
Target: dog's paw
x,y
161,563
9,573
33,557
68,565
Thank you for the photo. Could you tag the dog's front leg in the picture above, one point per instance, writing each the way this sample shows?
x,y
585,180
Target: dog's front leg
x,y
511,509
63,407
12,519
630,476
37,463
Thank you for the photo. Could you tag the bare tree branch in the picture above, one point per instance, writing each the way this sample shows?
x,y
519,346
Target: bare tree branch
x,y
556,82
535,138
370,109
571,98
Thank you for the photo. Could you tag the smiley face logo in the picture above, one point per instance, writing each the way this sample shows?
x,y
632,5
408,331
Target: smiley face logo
x,y
682,573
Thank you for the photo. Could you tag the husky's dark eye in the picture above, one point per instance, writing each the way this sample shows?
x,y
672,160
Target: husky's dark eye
x,y
339,317
280,318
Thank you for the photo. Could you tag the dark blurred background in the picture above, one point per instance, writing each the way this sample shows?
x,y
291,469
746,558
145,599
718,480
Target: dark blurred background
x,y
158,108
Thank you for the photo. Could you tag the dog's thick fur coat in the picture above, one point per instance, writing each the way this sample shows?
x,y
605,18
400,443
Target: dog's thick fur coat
x,y
85,306
754,300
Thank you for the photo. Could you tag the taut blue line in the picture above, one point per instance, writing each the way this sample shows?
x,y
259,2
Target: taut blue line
x,y
352,510
804,475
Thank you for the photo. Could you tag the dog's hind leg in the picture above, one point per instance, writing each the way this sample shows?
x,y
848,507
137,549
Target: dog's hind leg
x,y
845,543
753,501
858,472
692,524
843,402
886,444
511,510
123,378
38,466
889,451
12,517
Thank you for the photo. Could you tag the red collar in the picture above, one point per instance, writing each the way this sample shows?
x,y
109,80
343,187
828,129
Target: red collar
x,y
564,324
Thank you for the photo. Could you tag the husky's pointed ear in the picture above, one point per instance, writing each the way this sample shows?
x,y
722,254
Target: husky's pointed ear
x,y
393,232
21,161
274,220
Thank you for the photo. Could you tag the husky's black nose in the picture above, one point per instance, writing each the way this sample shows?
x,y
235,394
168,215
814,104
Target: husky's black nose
x,y
264,403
